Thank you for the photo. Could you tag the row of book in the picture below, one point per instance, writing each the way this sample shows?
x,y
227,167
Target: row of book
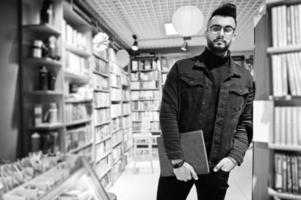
x,y
116,94
100,83
74,37
77,137
101,116
102,132
145,105
99,66
286,25
287,173
147,64
286,72
101,99
145,85
145,95
76,64
287,126
145,76
76,112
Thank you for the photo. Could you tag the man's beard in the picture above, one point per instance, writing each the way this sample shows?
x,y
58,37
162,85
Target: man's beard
x,y
218,49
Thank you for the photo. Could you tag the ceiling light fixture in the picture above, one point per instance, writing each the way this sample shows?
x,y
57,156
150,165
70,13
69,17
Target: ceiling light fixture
x,y
184,46
135,44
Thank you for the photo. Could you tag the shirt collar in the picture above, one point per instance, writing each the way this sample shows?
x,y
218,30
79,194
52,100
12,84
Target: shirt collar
x,y
199,63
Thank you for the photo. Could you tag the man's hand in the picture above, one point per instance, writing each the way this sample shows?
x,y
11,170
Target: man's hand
x,y
185,173
226,164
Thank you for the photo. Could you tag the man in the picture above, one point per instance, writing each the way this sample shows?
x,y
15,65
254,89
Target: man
x,y
212,93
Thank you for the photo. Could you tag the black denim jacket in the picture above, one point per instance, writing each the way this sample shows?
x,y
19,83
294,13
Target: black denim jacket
x,y
183,108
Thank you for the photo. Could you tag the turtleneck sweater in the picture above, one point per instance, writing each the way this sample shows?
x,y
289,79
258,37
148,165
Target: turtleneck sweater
x,y
217,68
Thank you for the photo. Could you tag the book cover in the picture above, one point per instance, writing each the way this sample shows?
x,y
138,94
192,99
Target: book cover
x,y
194,150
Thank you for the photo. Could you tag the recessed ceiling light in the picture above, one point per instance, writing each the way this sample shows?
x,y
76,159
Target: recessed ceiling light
x,y
169,29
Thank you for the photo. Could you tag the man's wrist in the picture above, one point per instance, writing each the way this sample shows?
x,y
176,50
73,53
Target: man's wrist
x,y
233,160
177,163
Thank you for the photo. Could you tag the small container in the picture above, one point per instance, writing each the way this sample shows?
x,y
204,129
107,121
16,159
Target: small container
x,y
37,49
51,81
43,78
38,115
35,142
51,116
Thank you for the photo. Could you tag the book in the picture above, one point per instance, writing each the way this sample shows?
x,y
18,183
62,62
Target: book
x,y
193,147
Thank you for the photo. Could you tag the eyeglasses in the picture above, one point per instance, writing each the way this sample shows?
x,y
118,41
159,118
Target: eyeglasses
x,y
216,29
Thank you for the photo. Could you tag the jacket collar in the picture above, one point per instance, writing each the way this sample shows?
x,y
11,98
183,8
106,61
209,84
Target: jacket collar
x,y
199,63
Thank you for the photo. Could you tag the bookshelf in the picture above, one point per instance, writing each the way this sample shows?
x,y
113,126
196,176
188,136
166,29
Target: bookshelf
x,y
146,86
278,79
77,100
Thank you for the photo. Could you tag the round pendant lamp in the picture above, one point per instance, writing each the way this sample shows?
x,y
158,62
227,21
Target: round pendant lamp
x,y
122,58
188,20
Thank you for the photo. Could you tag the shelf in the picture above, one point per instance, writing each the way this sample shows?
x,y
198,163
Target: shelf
x,y
146,89
285,147
103,139
47,126
101,74
145,110
103,156
100,58
117,116
116,144
77,51
76,78
283,195
73,18
101,90
116,101
155,131
288,49
60,188
115,131
101,107
278,2
83,121
43,61
127,114
116,87
101,124
44,29
104,173
146,100
78,101
81,147
47,92
126,101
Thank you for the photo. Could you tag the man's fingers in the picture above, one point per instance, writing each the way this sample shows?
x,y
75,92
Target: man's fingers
x,y
219,165
193,173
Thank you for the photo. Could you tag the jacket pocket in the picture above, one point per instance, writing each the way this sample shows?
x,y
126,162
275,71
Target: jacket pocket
x,y
237,97
192,81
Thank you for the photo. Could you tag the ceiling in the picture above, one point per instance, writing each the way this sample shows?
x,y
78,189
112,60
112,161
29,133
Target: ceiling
x,y
146,19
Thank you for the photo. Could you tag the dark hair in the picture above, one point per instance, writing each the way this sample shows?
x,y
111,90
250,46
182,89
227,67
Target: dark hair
x,y
226,10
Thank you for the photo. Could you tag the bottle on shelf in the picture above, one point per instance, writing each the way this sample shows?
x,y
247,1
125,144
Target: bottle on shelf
x,y
43,82
38,115
51,81
46,14
51,114
35,142
36,49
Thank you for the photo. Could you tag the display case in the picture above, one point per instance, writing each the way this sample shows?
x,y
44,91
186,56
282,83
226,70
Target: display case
x,y
74,179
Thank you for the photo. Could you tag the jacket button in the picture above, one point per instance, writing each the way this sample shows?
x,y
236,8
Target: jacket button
x,y
203,102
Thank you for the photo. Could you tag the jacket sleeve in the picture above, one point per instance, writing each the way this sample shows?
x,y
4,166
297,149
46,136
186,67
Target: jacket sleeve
x,y
168,115
244,131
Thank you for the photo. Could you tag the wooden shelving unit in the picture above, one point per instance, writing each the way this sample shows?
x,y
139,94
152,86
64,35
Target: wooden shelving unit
x,y
275,159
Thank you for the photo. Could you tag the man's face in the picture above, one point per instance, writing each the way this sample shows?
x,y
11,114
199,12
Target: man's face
x,y
220,33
